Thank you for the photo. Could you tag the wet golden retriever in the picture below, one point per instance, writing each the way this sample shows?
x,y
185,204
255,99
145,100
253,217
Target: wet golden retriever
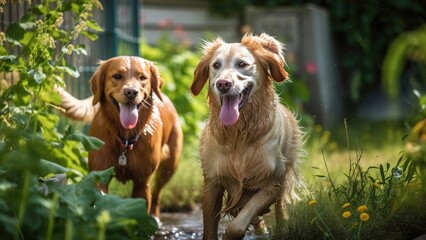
x,y
137,122
251,143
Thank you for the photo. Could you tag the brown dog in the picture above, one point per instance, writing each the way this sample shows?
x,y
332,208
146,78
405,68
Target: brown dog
x,y
251,143
139,125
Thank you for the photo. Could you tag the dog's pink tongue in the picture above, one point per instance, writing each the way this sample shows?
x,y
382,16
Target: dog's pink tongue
x,y
129,115
229,113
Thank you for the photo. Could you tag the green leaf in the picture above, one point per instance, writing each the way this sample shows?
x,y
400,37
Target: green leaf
x,y
15,31
382,173
411,171
7,58
22,96
80,49
89,143
72,71
5,185
27,25
127,208
90,35
93,25
40,10
48,167
38,75
47,121
320,176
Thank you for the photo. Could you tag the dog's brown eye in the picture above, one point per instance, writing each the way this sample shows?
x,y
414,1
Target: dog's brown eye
x,y
142,77
216,65
117,76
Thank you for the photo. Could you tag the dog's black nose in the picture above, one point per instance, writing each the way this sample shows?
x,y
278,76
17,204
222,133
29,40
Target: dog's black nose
x,y
223,85
130,93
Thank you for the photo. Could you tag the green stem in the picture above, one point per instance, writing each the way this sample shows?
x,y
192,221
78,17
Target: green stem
x,y
328,172
51,223
359,230
102,230
10,91
23,202
325,225
68,229
350,160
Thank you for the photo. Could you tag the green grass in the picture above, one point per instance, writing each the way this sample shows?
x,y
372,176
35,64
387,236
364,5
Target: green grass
x,y
374,142
356,165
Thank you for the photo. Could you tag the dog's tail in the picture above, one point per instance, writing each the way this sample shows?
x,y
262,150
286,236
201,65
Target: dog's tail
x,y
78,109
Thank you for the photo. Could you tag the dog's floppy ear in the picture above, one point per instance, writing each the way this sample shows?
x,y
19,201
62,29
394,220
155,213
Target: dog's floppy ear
x,y
201,73
97,82
270,53
157,81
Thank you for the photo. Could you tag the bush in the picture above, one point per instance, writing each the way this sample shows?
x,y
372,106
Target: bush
x,y
44,190
177,64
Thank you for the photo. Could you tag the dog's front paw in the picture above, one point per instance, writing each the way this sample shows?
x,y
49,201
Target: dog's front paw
x,y
235,231
157,219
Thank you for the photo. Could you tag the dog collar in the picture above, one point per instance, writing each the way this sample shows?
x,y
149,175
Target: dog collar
x,y
127,144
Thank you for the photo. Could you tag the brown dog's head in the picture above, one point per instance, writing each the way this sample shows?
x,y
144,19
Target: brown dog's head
x,y
237,70
127,83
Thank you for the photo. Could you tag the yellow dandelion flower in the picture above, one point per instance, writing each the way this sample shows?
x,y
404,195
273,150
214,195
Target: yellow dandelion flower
x,y
362,208
364,217
346,205
376,184
346,214
312,202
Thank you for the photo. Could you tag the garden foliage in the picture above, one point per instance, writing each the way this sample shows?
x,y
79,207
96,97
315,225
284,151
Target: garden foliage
x,y
177,64
45,191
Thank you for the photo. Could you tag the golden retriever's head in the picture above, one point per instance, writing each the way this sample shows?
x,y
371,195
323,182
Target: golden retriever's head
x,y
238,70
126,83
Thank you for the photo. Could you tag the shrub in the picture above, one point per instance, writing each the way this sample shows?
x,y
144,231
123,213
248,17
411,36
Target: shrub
x,y
44,190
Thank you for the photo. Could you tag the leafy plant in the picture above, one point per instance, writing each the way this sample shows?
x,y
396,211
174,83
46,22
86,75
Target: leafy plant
x,y
409,46
36,153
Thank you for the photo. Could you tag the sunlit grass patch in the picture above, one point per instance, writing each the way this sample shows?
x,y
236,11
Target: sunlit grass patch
x,y
375,199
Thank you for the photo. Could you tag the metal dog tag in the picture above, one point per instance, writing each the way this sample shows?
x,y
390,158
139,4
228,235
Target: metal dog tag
x,y
122,160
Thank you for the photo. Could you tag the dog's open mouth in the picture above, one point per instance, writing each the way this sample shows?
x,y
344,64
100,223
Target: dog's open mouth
x,y
231,105
129,113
